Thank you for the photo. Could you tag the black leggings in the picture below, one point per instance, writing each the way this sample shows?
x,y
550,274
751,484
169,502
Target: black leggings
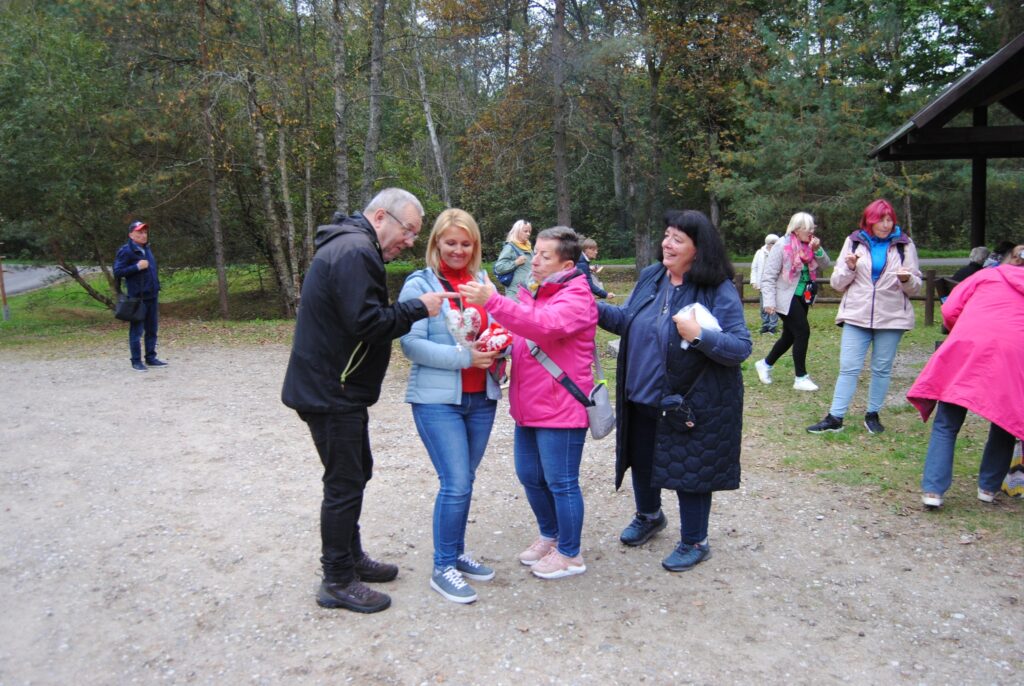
x,y
796,333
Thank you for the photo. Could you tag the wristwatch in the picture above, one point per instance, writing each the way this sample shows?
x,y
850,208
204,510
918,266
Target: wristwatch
x,y
695,342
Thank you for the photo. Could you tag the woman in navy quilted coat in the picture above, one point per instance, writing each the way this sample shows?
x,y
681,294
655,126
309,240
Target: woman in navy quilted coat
x,y
666,356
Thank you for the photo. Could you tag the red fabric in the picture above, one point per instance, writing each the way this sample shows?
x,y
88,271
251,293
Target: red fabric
x,y
474,380
980,365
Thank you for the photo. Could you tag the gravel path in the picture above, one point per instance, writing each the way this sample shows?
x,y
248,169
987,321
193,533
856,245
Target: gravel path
x,y
163,528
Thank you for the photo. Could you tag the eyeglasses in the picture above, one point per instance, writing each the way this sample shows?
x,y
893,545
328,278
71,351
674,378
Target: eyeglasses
x,y
406,229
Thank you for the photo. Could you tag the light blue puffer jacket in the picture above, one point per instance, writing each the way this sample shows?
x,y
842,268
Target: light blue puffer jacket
x,y
437,363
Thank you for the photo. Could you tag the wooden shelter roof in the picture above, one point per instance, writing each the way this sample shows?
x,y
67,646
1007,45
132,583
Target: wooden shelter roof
x,y
999,79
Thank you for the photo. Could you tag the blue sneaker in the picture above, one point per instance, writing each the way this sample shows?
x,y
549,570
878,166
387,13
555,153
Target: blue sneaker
x,y
139,367
686,556
154,362
471,569
449,583
642,528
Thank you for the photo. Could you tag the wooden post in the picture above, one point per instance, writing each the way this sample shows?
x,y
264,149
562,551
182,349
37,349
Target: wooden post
x,y
929,297
738,282
3,291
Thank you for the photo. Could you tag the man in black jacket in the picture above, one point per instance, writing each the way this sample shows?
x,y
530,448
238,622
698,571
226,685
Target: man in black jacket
x,y
340,353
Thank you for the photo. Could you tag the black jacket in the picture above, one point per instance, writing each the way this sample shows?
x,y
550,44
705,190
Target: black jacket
x,y
345,323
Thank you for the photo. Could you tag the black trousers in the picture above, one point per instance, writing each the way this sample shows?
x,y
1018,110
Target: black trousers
x,y
796,333
343,442
694,508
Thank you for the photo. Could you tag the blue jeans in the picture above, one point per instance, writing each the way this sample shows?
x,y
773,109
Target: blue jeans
x,y
455,437
150,325
852,349
548,467
769,322
938,463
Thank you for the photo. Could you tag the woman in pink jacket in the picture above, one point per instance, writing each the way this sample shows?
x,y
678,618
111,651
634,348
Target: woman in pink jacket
x,y
556,310
979,367
876,272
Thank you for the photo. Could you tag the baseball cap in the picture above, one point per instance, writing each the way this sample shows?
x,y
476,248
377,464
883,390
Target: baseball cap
x,y
138,226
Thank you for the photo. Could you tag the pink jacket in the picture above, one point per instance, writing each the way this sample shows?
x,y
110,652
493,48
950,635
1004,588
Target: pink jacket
x,y
980,365
562,320
882,304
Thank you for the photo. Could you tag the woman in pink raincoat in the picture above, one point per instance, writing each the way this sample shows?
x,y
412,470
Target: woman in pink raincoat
x,y
980,368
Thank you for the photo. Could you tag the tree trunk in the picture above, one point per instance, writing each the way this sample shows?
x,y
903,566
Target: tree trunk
x,y
424,96
210,165
562,202
341,189
376,94
306,146
71,270
278,256
654,177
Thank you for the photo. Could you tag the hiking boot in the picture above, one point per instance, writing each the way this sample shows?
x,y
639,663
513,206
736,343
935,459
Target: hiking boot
x,y
555,565
472,569
872,423
449,583
355,596
986,496
804,383
931,500
764,371
642,528
154,362
537,550
686,556
368,569
139,367
829,423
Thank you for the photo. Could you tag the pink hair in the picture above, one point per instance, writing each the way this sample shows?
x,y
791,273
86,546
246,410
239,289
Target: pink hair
x,y
876,212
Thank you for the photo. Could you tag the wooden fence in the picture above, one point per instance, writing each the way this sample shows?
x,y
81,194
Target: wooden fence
x,y
934,287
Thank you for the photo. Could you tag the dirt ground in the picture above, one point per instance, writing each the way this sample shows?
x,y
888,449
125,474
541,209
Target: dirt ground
x,y
163,528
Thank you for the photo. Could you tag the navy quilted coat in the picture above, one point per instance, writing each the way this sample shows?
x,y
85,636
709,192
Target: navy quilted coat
x,y
707,458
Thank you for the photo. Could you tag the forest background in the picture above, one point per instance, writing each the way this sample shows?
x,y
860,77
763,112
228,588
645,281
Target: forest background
x,y
235,128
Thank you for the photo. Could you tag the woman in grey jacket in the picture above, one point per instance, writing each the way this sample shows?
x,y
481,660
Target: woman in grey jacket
x,y
515,257
793,265
453,394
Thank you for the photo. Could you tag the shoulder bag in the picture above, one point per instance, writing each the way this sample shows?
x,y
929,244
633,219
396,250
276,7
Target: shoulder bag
x,y
128,308
600,413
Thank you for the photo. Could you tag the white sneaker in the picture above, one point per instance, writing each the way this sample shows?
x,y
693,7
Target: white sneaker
x,y
804,383
764,371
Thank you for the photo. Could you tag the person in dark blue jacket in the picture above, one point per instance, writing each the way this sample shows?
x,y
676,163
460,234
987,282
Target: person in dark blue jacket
x,y
587,255
136,264
672,359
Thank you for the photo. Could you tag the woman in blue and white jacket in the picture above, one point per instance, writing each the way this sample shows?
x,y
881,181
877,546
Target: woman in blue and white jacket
x,y
453,393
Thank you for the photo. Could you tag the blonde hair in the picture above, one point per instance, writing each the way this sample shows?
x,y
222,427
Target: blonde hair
x,y
588,243
513,234
800,220
453,218
1015,257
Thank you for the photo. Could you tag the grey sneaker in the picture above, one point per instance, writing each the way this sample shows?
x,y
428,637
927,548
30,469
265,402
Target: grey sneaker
x,y
642,528
449,583
472,569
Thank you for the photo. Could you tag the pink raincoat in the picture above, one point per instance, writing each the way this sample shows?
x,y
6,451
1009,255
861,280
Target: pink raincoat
x,y
981,365
562,320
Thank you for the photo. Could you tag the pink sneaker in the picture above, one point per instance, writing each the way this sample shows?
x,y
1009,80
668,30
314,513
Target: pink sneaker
x,y
537,550
555,565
